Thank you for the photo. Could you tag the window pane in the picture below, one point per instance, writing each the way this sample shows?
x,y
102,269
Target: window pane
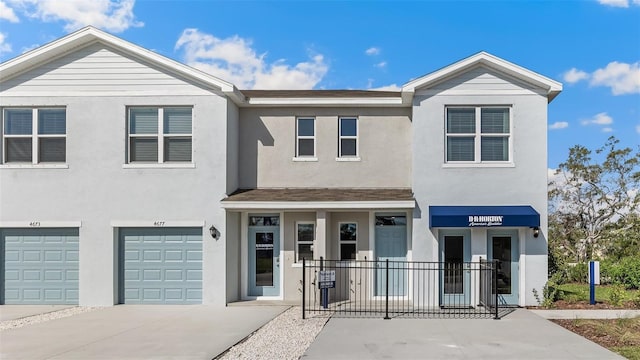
x,y
461,121
495,148
347,251
348,232
348,127
143,121
18,122
305,232
391,220
177,149
460,149
18,150
52,121
348,147
52,150
304,252
144,149
305,147
177,121
305,127
264,259
495,121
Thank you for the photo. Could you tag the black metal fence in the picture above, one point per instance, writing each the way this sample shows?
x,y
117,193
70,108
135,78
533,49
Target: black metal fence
x,y
390,288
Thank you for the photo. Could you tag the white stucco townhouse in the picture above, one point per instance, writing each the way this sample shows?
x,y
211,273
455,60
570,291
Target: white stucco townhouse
x,y
127,177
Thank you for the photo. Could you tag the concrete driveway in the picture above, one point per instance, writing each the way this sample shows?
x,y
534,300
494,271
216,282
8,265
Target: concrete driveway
x,y
13,312
138,332
519,335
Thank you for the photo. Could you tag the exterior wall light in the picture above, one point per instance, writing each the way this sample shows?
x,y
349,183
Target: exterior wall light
x,y
214,232
536,232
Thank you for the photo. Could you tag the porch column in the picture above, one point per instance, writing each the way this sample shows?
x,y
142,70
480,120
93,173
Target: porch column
x,y
320,247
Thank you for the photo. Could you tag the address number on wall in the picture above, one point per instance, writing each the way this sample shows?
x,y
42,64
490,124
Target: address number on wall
x,y
34,223
158,223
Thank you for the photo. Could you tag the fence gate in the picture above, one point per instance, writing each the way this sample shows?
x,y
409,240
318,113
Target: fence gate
x,y
401,289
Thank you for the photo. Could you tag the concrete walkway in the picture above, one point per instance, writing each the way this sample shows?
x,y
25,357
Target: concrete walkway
x,y
138,332
587,314
13,312
520,335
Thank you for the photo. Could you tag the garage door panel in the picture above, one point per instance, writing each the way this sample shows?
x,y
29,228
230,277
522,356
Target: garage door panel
x,y
157,263
72,255
73,275
31,275
54,275
31,256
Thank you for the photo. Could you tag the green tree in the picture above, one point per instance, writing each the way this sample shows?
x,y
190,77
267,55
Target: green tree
x,y
594,202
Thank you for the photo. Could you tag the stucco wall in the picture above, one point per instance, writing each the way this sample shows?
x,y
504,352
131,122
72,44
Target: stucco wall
x,y
267,149
524,183
96,190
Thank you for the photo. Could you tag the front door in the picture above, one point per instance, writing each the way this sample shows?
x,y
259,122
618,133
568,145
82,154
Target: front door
x,y
391,244
503,246
455,279
264,258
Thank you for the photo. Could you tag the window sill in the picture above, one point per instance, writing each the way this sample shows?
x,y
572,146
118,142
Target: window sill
x,y
303,159
355,158
32,166
159,166
478,165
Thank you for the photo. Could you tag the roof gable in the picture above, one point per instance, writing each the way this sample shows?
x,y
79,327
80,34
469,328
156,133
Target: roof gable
x,y
483,59
90,35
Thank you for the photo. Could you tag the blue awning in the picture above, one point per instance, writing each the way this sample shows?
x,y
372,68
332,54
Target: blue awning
x,y
483,216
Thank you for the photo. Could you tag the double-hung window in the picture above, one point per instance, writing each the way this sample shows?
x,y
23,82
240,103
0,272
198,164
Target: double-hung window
x,y
478,135
160,134
305,137
348,240
34,136
305,235
348,139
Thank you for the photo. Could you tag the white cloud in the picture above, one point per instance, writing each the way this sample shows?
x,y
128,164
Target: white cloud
x,y
615,3
6,13
372,51
598,119
559,125
622,78
110,15
638,129
574,75
234,60
607,129
4,47
381,64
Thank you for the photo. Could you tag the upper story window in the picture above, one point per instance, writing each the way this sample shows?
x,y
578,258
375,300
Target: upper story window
x,y
160,134
478,134
305,235
34,136
305,137
348,139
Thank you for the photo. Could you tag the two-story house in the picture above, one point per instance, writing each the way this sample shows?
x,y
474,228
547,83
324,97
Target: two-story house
x,y
126,177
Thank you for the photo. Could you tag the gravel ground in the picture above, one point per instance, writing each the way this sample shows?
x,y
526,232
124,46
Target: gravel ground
x,y
29,320
285,337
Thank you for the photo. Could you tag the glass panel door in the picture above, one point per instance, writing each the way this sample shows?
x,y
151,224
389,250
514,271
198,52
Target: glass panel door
x,y
455,278
503,246
264,257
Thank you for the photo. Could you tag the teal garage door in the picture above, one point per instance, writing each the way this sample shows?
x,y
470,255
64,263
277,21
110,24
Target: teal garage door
x,y
161,265
40,266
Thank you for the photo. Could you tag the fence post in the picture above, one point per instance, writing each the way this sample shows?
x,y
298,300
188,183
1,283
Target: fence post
x,y
495,287
324,293
386,293
304,286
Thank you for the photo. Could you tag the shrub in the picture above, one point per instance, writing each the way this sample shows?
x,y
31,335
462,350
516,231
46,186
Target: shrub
x,y
636,300
624,272
551,293
578,273
616,294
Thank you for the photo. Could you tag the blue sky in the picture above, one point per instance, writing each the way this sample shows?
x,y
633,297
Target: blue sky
x,y
592,47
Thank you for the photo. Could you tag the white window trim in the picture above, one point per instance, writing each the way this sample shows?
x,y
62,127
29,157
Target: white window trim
x,y
35,137
160,136
298,242
355,157
313,157
478,139
340,241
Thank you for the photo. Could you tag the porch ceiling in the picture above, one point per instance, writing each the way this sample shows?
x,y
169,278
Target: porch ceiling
x,y
320,198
